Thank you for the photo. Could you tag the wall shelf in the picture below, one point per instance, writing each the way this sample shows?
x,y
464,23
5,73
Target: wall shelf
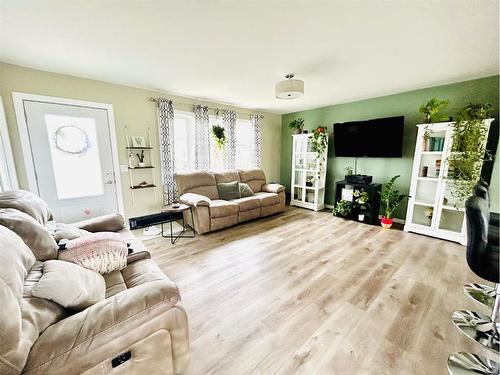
x,y
142,186
139,148
146,167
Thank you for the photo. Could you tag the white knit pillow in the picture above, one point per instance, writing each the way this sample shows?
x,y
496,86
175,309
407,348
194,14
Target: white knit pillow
x,y
102,252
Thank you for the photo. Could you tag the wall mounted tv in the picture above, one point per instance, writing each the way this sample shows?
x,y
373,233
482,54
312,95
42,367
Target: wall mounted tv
x,y
381,138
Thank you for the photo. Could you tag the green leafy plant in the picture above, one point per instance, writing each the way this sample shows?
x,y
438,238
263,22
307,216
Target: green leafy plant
x,y
219,136
319,139
361,198
468,150
390,197
297,125
141,157
342,208
348,170
430,110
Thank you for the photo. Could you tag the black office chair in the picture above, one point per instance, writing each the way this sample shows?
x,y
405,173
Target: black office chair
x,y
483,259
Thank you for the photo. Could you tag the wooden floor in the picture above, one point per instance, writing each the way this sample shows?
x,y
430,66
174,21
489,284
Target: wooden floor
x,y
309,293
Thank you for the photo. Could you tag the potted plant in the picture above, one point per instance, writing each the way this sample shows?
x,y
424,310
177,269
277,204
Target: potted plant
x,y
343,208
430,110
140,157
348,170
390,200
470,134
297,125
361,202
219,136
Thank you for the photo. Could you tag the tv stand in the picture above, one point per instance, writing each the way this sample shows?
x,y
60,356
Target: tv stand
x,y
372,208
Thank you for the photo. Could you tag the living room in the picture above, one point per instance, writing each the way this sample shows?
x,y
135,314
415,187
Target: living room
x,y
314,191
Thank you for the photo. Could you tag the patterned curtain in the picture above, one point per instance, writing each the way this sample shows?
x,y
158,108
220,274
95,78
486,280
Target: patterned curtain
x,y
202,138
257,138
166,123
229,122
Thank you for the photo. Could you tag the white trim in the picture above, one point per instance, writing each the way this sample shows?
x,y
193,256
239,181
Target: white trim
x,y
7,149
19,98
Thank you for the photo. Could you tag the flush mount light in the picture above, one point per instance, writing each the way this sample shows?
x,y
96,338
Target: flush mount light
x,y
290,88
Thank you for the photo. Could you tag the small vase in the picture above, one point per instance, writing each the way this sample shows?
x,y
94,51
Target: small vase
x,y
142,165
386,222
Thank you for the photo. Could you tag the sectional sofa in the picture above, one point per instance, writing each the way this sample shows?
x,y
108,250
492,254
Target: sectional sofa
x,y
208,213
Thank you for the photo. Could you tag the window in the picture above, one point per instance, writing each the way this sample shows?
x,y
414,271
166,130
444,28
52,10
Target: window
x,y
245,147
184,138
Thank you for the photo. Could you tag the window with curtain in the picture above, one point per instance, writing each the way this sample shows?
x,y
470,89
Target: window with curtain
x,y
245,146
184,141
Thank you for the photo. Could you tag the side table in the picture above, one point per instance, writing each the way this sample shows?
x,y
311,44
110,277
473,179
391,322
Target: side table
x,y
173,213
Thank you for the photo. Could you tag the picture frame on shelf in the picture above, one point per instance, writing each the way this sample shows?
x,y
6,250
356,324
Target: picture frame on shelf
x,y
138,141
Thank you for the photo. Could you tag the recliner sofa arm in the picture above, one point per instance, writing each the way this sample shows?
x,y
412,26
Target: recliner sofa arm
x,y
273,188
104,223
130,320
195,200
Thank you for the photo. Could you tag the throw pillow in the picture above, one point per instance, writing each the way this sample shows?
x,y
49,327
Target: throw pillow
x,y
34,234
245,190
68,231
70,285
103,252
228,190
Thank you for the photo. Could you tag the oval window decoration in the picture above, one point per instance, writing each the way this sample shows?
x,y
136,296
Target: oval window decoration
x,y
72,140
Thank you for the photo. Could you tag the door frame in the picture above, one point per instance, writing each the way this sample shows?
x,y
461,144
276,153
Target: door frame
x,y
6,149
22,125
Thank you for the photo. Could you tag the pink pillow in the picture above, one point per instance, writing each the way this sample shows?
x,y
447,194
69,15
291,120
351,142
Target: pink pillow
x,y
102,252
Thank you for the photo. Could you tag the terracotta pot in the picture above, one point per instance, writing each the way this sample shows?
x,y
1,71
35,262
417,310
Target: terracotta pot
x,y
386,223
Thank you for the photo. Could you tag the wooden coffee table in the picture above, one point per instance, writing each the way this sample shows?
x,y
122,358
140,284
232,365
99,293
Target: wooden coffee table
x,y
174,213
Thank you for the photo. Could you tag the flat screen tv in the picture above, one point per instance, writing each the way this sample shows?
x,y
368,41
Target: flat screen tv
x,y
381,138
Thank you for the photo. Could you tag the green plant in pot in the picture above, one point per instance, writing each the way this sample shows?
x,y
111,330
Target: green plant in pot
x,y
468,150
431,110
297,125
219,136
140,157
361,203
343,208
390,199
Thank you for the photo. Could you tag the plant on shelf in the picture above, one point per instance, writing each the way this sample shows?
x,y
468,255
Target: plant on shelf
x,y
390,200
343,208
319,142
219,136
140,157
430,110
468,150
297,125
361,203
348,170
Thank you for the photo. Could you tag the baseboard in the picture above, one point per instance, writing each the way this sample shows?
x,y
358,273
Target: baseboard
x,y
395,219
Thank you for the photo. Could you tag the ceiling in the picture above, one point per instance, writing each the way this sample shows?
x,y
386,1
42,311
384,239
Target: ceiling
x,y
235,51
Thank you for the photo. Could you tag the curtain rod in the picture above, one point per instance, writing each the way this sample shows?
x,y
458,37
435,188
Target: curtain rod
x,y
153,99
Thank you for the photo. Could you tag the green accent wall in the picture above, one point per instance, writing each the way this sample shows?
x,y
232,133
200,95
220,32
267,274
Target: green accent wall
x,y
484,90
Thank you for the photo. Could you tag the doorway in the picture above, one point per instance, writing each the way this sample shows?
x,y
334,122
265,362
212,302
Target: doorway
x,y
70,155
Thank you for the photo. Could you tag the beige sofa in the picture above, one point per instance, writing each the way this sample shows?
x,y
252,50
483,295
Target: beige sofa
x,y
141,312
208,212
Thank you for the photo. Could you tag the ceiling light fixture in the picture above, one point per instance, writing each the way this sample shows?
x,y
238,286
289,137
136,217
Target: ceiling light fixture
x,y
290,88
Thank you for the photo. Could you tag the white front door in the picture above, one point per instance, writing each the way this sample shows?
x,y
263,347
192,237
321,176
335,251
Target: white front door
x,y
72,157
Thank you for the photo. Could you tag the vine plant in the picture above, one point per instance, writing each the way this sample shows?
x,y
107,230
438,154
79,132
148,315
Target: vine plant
x,y
319,142
470,134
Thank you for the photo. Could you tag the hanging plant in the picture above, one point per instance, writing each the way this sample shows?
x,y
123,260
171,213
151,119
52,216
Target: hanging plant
x,y
468,150
430,110
319,142
219,136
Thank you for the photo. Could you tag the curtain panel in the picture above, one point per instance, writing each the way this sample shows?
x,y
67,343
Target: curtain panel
x,y
202,137
257,138
229,123
166,125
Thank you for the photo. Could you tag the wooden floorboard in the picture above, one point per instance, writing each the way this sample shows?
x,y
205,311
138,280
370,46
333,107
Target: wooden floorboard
x,y
307,293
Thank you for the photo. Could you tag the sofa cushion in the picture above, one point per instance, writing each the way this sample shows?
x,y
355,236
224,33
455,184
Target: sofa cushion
x,y
220,208
34,234
199,182
228,190
255,178
267,199
227,176
81,287
28,203
247,203
245,190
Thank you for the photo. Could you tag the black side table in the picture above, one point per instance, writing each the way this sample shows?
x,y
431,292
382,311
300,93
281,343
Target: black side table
x,y
174,213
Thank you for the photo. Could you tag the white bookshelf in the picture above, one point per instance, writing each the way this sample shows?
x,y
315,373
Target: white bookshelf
x,y
308,176
432,192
